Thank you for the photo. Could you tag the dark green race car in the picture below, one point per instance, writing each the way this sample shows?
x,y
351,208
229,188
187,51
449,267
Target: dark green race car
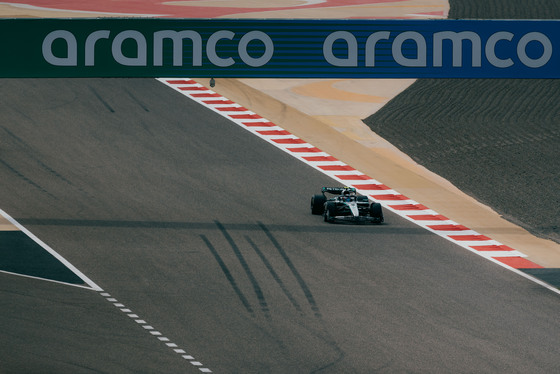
x,y
346,206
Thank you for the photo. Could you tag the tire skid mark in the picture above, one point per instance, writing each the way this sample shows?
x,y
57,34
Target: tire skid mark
x,y
258,290
228,275
26,179
15,137
105,104
293,269
37,159
53,172
137,101
274,274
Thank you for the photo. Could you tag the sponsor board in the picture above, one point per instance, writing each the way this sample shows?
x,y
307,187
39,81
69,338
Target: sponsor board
x,y
279,48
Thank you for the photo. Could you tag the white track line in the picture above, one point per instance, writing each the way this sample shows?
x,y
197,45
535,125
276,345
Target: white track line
x,y
155,333
107,296
65,262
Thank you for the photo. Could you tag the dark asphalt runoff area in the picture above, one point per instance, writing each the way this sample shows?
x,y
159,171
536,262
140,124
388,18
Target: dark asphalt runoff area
x,y
205,232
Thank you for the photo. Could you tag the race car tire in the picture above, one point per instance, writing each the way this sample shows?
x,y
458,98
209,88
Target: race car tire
x,y
330,212
318,204
376,212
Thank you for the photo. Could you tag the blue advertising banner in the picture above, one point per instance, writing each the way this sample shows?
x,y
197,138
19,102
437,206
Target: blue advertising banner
x,y
280,48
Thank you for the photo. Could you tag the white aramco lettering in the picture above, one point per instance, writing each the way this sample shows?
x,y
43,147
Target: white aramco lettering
x,y
352,47
68,50
141,46
371,43
71,58
244,44
90,45
421,50
457,40
177,38
140,58
539,38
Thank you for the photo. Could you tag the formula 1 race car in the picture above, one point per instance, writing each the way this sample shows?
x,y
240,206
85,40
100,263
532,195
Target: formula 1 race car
x,y
346,206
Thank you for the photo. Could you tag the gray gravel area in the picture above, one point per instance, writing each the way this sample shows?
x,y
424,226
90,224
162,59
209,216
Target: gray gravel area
x,y
495,139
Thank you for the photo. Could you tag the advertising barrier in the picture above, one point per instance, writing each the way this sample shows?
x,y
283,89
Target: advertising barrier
x,y
251,48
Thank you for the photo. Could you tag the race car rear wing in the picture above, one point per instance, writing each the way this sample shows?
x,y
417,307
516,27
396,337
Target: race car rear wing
x,y
337,190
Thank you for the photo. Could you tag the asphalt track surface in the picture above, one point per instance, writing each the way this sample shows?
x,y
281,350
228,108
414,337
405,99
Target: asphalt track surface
x,y
205,232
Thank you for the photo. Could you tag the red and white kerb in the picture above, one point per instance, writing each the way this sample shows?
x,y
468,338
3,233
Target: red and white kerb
x,y
347,175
